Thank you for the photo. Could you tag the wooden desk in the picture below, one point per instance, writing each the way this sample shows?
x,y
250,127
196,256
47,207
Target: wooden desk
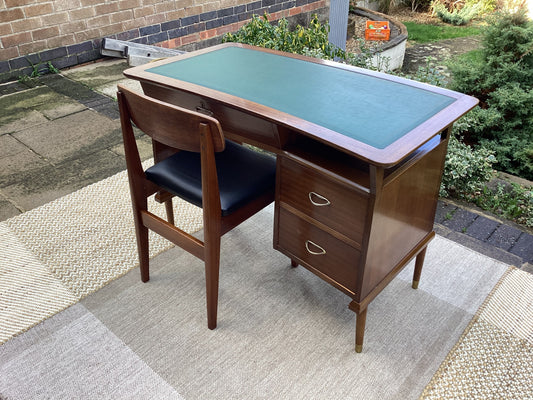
x,y
360,154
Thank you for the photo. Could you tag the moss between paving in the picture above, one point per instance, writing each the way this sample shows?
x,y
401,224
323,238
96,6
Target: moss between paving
x,y
19,106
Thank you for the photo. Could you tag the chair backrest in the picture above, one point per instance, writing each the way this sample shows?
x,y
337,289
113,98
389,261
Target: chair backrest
x,y
170,125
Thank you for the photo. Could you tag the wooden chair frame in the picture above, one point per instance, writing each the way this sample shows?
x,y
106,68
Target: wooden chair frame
x,y
180,129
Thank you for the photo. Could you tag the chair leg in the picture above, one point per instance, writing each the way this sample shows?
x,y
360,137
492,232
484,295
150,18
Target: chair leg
x,y
170,211
212,266
143,250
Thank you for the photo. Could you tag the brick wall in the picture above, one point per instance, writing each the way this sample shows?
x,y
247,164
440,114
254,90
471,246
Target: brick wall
x,y
69,32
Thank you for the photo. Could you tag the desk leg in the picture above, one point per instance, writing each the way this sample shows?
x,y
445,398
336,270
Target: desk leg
x,y
360,330
418,267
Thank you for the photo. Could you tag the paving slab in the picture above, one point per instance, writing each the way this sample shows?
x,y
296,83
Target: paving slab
x,y
22,120
7,209
524,247
504,237
459,220
29,108
40,186
482,228
444,212
69,137
19,161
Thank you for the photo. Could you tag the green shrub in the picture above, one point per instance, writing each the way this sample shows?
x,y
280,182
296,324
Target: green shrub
x,y
260,32
502,79
457,16
466,170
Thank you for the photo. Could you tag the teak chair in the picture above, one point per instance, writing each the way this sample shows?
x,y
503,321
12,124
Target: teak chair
x,y
194,162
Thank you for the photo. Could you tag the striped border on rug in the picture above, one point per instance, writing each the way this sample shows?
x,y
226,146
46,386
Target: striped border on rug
x,y
494,356
56,254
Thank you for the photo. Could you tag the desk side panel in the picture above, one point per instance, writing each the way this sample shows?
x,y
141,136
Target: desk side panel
x,y
404,214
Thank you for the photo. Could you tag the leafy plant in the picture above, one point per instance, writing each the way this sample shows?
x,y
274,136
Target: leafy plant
x,y
37,70
456,16
466,170
260,32
502,79
428,73
510,200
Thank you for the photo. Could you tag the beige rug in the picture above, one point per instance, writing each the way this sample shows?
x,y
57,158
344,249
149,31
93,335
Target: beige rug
x,y
54,255
282,333
494,357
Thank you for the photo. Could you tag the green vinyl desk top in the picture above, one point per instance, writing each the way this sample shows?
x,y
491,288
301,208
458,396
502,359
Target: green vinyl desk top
x,y
369,108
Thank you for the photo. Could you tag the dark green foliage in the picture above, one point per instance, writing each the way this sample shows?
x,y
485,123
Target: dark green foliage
x,y
503,82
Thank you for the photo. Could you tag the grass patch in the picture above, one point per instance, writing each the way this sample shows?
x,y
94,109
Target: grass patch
x,y
424,33
474,57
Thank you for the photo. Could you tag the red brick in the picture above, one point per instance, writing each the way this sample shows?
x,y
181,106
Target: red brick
x,y
38,9
295,11
87,35
164,7
143,11
106,8
17,3
72,27
128,4
226,29
45,33
155,19
8,54
17,39
81,13
208,34
60,41
11,15
6,29
27,25
190,39
32,47
110,29
128,25
91,3
66,5
121,16
54,19
99,21
177,14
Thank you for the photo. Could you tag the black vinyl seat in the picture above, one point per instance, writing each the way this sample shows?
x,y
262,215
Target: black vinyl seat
x,y
243,175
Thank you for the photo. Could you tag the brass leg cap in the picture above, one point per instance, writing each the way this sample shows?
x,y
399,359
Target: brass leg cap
x,y
358,348
415,285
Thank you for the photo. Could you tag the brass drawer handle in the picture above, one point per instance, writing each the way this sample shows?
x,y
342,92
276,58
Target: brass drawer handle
x,y
324,201
315,253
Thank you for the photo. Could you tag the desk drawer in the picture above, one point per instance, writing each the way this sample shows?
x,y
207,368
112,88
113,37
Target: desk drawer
x,y
318,249
322,198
